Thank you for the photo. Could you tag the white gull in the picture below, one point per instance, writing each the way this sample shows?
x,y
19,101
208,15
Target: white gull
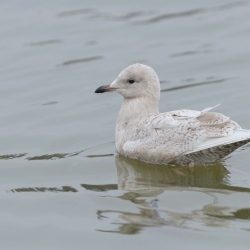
x,y
184,136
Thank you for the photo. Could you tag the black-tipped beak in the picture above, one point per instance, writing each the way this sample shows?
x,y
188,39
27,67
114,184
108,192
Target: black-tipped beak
x,y
104,88
100,90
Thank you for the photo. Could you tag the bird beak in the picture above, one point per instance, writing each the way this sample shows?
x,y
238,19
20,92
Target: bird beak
x,y
104,88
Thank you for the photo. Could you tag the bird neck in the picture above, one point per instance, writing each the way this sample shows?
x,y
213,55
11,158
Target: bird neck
x,y
133,109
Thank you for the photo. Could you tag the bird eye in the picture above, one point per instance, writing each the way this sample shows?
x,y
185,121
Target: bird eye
x,y
131,81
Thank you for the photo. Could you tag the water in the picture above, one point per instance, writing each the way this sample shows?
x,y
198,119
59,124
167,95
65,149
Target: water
x,y
62,185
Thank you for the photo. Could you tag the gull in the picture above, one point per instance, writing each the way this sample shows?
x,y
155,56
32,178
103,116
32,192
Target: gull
x,y
185,137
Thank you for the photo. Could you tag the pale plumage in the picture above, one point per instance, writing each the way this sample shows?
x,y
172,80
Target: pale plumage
x,y
181,136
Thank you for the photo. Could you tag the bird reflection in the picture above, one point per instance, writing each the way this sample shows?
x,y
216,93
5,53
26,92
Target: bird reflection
x,y
135,175
143,183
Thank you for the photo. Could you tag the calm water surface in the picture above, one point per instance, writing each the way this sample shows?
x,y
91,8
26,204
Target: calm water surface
x,y
62,185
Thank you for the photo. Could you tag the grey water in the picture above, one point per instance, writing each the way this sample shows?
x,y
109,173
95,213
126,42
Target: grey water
x,y
62,186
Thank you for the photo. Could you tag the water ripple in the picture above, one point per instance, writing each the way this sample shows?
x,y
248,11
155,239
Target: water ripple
x,y
175,15
193,12
74,12
46,42
195,84
44,189
53,156
96,156
81,60
100,188
11,156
